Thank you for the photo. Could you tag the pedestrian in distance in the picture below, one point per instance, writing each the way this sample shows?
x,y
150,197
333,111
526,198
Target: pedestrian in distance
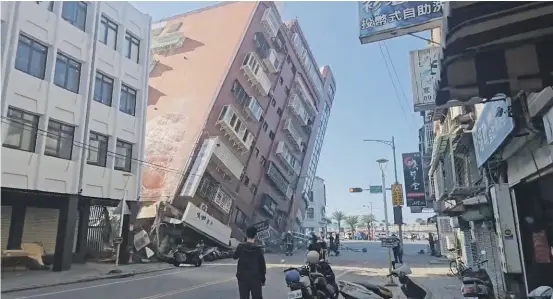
x,y
397,250
251,269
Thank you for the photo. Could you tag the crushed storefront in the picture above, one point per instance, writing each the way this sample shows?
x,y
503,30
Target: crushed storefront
x,y
496,57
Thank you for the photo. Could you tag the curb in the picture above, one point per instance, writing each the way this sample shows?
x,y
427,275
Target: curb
x,y
87,279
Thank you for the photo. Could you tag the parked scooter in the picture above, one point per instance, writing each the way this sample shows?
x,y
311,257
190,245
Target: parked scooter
x,y
476,282
409,288
181,255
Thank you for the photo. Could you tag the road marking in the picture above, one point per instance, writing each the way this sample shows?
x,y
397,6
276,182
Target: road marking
x,y
110,283
189,288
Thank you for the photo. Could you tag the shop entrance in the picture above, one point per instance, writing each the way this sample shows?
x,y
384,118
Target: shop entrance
x,y
535,212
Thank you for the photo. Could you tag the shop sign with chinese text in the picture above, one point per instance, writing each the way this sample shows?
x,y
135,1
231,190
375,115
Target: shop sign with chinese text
x,y
425,72
490,130
413,178
381,20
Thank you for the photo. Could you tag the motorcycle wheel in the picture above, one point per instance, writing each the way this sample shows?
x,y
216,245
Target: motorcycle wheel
x,y
198,263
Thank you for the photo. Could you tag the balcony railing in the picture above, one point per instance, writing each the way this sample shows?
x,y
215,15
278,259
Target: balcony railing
x,y
305,95
235,128
227,158
271,22
279,180
299,110
268,204
285,154
211,190
294,135
167,42
254,71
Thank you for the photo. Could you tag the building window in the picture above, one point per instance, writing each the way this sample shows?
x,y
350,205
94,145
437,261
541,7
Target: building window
x,y
128,100
287,90
132,47
256,152
280,80
103,89
265,126
67,73
22,130
246,180
123,156
310,213
97,149
107,34
294,70
239,93
273,102
288,59
272,135
59,140
253,188
241,219
279,112
31,57
74,12
263,160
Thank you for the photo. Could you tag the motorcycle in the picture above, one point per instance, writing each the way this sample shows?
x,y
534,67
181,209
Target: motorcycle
x,y
182,255
476,282
309,285
410,289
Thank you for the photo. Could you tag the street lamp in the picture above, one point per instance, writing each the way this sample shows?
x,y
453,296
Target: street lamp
x,y
392,144
382,163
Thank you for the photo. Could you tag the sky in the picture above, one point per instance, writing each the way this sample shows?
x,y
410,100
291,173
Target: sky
x,y
366,105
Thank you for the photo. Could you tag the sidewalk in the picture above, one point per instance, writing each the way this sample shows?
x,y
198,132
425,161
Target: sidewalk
x,y
25,280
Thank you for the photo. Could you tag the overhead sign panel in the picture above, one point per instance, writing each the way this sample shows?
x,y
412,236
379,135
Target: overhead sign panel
x,y
381,20
413,176
425,72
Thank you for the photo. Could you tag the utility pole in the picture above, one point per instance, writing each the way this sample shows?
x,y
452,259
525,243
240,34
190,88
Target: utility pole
x,y
382,165
400,225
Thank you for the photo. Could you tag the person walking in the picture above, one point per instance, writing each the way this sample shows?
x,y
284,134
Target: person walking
x,y
251,269
397,250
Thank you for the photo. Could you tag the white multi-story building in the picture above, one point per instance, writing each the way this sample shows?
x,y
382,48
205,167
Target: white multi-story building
x,y
315,214
74,96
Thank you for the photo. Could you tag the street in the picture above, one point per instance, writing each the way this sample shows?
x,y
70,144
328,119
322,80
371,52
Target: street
x,y
217,280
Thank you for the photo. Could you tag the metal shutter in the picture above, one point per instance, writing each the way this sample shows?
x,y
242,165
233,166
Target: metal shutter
x,y
41,225
486,239
6,223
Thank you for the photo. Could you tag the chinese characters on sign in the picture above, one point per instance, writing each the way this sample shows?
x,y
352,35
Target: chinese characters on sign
x,y
490,130
379,17
205,218
397,195
425,72
413,177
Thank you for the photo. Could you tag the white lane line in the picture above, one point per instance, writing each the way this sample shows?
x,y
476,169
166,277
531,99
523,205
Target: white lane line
x,y
189,288
111,283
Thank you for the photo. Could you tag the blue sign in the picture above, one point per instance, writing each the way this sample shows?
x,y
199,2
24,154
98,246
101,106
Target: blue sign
x,y
491,129
379,20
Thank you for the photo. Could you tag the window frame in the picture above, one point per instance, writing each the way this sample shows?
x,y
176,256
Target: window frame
x,y
24,122
34,47
78,5
128,159
127,90
104,80
63,128
101,161
239,93
108,24
68,67
130,40
312,210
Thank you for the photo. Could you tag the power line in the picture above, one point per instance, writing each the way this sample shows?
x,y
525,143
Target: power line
x,y
395,72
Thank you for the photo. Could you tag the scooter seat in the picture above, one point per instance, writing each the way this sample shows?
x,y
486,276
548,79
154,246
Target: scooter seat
x,y
474,280
374,288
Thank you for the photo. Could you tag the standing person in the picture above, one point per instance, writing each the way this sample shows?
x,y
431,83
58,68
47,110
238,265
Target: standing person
x,y
331,243
251,268
398,256
432,244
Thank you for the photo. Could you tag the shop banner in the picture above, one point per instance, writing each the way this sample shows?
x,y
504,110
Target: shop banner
x,y
413,177
381,20
425,72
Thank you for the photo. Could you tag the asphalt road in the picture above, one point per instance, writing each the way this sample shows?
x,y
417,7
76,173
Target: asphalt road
x,y
217,280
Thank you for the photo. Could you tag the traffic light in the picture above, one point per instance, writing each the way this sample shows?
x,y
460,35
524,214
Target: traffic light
x,y
355,190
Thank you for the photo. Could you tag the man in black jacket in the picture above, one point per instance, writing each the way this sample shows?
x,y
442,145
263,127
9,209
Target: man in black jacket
x,y
251,268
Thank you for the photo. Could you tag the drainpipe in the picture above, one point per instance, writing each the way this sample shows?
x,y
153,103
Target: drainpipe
x,y
89,98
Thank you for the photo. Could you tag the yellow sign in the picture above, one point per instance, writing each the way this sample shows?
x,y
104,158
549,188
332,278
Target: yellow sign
x,y
397,195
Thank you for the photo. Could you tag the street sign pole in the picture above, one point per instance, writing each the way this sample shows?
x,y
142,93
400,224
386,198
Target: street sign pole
x,y
400,225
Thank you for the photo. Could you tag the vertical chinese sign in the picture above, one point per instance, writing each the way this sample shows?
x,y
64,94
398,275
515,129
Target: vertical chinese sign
x,y
425,71
381,20
413,177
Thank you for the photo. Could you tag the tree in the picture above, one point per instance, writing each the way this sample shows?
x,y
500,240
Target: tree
x,y
368,220
338,216
352,222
